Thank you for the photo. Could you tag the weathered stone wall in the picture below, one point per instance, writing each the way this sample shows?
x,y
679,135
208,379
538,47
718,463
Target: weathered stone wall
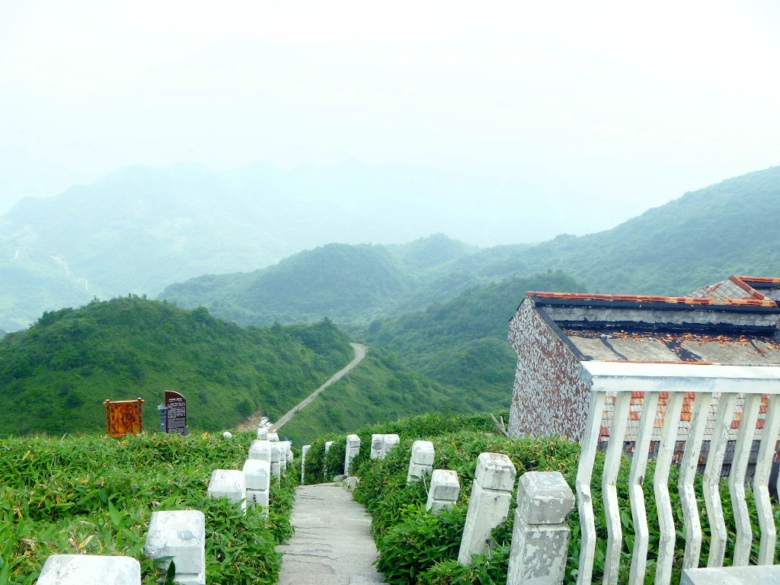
x,y
548,398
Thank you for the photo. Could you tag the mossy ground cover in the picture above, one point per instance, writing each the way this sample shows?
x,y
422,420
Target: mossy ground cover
x,y
417,547
95,495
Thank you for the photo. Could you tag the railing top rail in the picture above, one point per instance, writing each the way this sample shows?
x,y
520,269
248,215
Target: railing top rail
x,y
679,377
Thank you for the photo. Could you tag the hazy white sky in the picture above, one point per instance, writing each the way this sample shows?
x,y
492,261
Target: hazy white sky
x,y
598,110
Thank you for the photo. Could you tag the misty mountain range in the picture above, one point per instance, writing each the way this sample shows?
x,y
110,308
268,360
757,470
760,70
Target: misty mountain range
x,y
141,229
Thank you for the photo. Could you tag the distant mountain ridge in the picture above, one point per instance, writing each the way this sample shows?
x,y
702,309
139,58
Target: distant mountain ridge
x,y
702,237
142,229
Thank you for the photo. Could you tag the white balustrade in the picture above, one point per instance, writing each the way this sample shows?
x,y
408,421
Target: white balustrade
x,y
681,404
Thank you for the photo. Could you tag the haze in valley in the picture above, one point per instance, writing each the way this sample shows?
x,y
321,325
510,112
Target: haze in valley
x,y
515,120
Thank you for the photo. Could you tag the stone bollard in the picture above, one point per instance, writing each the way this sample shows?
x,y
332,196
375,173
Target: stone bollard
x,y
90,570
540,537
260,450
421,461
353,448
230,484
257,474
283,446
276,460
491,494
273,437
390,442
444,491
262,433
289,452
180,535
304,450
377,446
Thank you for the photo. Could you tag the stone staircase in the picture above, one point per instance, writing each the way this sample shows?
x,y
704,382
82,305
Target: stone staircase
x,y
332,544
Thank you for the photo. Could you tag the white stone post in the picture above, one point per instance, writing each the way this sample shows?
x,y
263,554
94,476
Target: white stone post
x,y
260,450
262,433
444,490
421,461
491,494
377,446
288,452
273,437
230,484
283,446
180,535
90,570
540,537
304,450
390,442
276,460
258,482
325,470
353,448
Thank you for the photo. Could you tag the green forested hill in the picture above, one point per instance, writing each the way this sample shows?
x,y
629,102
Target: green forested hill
x,y
350,284
698,239
55,376
463,343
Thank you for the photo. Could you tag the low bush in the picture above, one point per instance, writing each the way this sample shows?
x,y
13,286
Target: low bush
x,y
95,495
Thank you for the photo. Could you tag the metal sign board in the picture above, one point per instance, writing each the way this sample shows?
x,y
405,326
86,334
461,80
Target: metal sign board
x,y
124,417
176,415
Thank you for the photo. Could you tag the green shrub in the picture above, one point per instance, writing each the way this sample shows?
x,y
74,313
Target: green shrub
x,y
95,495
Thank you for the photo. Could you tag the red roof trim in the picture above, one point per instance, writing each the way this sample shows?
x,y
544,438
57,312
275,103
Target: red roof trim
x,y
753,302
740,282
759,279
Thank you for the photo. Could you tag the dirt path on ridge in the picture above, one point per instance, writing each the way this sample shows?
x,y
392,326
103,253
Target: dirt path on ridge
x,y
252,422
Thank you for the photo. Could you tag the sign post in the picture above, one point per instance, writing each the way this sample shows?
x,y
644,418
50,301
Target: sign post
x,y
176,413
124,417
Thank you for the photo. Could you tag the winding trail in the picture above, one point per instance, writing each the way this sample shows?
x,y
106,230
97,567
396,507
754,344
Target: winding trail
x,y
360,353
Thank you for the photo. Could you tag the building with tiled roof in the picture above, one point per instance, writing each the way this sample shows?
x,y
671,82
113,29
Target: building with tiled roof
x,y
730,323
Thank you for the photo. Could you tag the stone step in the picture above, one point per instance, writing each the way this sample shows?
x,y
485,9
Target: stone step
x,y
332,544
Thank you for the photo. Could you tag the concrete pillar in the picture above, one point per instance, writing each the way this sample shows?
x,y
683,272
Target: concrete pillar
x,y
262,433
325,470
421,461
90,570
288,452
283,446
276,460
390,442
444,491
491,494
273,437
260,450
180,535
377,446
304,450
257,474
230,484
540,537
353,448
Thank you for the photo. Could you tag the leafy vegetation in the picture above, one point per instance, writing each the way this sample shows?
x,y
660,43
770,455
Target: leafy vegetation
x,y
95,495
55,376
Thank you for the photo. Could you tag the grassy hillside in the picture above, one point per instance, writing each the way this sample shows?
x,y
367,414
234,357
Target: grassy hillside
x,y
55,376
463,343
380,390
